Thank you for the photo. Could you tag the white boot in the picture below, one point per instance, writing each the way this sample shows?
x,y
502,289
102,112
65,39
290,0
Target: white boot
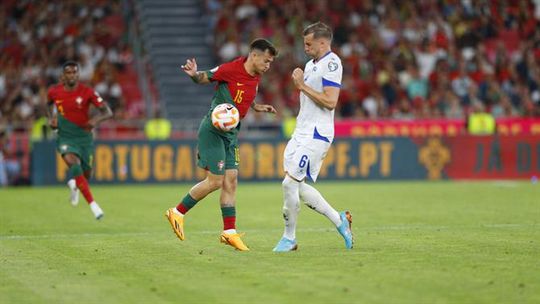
x,y
98,213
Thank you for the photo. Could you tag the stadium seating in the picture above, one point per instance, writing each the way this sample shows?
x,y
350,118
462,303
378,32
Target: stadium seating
x,y
174,31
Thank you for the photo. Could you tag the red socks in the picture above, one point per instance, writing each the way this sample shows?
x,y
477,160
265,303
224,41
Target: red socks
x,y
82,184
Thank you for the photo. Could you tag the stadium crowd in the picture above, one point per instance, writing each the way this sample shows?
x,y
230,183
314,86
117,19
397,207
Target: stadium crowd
x,y
37,37
402,59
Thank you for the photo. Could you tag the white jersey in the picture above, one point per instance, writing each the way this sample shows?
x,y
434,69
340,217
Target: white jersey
x,y
327,71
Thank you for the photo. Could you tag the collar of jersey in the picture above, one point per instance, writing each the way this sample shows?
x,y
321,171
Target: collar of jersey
x,y
322,57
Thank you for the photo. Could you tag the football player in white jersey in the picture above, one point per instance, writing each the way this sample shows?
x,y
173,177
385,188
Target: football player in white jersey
x,y
319,84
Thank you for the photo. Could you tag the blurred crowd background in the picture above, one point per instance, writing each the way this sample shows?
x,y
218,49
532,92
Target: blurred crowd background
x,y
37,37
425,59
402,59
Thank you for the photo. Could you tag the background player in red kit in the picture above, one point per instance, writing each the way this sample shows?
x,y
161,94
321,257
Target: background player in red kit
x,y
237,83
68,110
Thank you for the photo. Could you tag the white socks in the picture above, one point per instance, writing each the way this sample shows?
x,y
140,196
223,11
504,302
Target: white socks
x,y
175,211
293,191
74,192
229,231
315,201
72,184
291,206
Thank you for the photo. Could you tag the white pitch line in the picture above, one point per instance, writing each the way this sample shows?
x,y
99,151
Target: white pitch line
x,y
505,183
301,230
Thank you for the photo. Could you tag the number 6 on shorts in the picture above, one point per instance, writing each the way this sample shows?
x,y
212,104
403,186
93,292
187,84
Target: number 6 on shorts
x,y
303,161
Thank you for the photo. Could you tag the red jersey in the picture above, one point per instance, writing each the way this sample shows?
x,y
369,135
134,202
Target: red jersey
x,y
235,85
74,105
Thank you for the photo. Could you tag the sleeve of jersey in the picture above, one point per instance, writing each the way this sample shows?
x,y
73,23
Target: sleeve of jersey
x,y
95,98
333,74
219,73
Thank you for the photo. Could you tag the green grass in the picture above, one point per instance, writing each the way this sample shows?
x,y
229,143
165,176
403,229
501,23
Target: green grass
x,y
417,242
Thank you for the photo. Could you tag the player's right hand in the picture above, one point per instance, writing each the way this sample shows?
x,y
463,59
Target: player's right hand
x,y
190,67
298,78
53,122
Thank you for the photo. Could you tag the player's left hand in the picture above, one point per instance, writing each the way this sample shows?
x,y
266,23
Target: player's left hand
x,y
53,123
264,108
298,78
91,125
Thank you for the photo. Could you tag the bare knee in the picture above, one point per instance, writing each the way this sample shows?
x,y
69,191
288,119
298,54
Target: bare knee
x,y
230,181
230,185
71,159
214,182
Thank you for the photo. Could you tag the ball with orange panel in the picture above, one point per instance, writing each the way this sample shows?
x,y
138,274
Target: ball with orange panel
x,y
225,117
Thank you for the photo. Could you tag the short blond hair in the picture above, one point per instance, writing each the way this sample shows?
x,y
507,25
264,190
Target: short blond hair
x,y
319,30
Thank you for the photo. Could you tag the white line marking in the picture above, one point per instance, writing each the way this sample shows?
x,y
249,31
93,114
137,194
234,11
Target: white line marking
x,y
302,230
505,183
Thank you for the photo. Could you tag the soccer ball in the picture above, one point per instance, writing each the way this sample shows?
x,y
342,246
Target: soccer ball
x,y
225,117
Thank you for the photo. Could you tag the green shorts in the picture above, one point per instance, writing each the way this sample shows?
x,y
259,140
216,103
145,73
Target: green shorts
x,y
217,151
83,149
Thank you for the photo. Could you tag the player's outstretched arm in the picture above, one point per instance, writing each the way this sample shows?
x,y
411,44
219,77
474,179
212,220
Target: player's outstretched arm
x,y
190,68
105,113
51,115
263,108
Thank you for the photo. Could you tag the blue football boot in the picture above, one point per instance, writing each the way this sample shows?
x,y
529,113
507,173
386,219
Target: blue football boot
x,y
345,229
285,245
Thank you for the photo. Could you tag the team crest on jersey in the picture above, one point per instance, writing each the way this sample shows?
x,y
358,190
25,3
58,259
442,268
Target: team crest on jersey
x,y
78,100
220,165
332,66
314,69
99,99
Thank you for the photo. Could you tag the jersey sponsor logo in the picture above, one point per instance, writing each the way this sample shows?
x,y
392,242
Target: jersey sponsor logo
x,y
79,100
63,147
239,84
315,69
332,66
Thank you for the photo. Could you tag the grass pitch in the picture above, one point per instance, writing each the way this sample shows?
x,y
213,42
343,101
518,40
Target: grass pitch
x,y
416,242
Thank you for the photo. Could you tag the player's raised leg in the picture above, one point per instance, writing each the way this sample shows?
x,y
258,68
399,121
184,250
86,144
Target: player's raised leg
x,y
175,215
291,208
316,201
75,169
230,236
345,229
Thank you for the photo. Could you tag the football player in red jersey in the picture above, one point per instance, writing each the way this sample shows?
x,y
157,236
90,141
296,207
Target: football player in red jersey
x,y
236,83
68,110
